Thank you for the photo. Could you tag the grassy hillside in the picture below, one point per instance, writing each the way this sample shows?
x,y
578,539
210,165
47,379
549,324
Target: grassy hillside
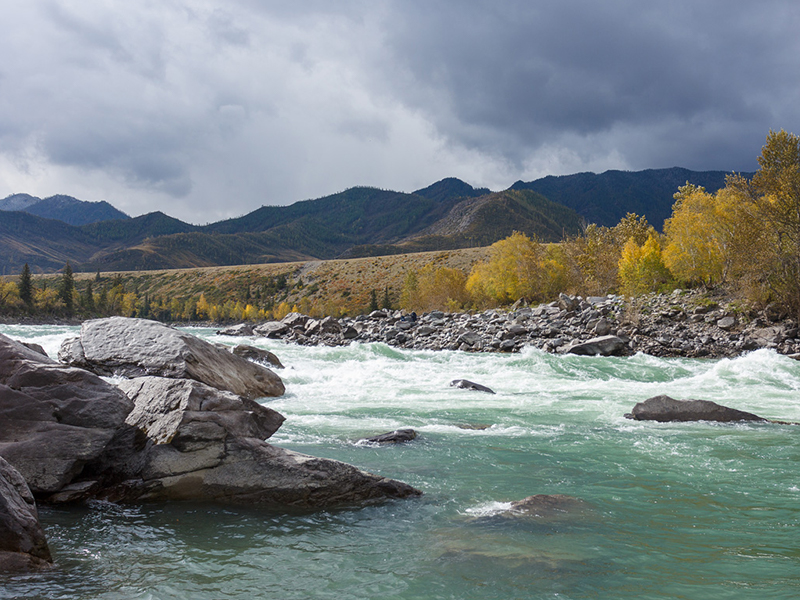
x,y
340,286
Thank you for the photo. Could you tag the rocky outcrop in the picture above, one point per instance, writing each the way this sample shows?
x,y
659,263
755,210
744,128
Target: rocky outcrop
x,y
399,436
56,420
208,445
665,409
466,384
137,347
23,544
73,436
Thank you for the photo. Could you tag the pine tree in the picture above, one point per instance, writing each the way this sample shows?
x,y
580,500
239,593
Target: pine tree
x,y
387,303
87,298
373,301
26,287
67,289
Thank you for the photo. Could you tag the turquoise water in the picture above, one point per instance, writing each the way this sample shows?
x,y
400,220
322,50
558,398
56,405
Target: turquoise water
x,y
698,511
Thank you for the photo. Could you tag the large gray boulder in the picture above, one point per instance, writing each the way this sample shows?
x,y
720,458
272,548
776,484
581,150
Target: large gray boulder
x,y
207,445
22,541
665,409
138,347
56,420
185,413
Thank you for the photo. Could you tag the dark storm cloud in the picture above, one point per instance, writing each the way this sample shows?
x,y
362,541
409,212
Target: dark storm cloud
x,y
511,77
174,105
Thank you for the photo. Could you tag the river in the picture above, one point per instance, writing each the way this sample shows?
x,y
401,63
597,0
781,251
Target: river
x,y
679,510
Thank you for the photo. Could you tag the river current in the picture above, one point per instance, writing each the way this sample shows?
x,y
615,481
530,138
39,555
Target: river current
x,y
678,510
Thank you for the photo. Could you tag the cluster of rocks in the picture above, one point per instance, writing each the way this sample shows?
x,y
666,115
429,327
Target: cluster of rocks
x,y
683,323
182,424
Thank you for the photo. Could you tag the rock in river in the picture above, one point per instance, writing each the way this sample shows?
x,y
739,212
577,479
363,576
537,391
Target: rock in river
x,y
466,384
398,436
665,409
137,347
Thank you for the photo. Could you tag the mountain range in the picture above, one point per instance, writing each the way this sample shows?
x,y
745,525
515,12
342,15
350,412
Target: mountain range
x,y
360,221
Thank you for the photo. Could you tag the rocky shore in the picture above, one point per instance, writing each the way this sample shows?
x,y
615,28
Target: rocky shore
x,y
680,324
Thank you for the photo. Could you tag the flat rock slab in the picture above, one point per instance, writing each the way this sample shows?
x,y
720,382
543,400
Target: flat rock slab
x,y
466,384
137,347
22,541
252,472
665,409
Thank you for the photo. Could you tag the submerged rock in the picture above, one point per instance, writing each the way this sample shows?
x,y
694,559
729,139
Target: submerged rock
x,y
466,384
23,545
137,347
665,409
547,506
398,436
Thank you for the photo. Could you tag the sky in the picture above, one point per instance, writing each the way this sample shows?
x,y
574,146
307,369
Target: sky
x,y
207,110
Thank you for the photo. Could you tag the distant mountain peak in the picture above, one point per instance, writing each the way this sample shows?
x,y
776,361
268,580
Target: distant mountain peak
x,y
63,208
449,188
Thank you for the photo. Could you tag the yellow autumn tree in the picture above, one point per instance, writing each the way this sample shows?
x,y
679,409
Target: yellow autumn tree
x,y
694,245
641,268
513,271
202,308
771,201
433,288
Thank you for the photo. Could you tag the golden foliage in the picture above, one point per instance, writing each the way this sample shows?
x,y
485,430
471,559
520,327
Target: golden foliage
x,y
641,268
514,270
433,288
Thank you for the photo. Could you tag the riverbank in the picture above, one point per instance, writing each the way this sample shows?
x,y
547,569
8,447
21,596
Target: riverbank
x,y
685,323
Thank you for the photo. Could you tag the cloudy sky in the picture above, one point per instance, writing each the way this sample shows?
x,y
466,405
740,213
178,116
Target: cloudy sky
x,y
207,109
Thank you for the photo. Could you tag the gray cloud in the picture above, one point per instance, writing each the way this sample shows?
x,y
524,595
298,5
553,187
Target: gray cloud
x,y
206,109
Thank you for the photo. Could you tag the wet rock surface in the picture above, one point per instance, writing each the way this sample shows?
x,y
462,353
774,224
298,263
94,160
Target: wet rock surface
x,y
680,324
